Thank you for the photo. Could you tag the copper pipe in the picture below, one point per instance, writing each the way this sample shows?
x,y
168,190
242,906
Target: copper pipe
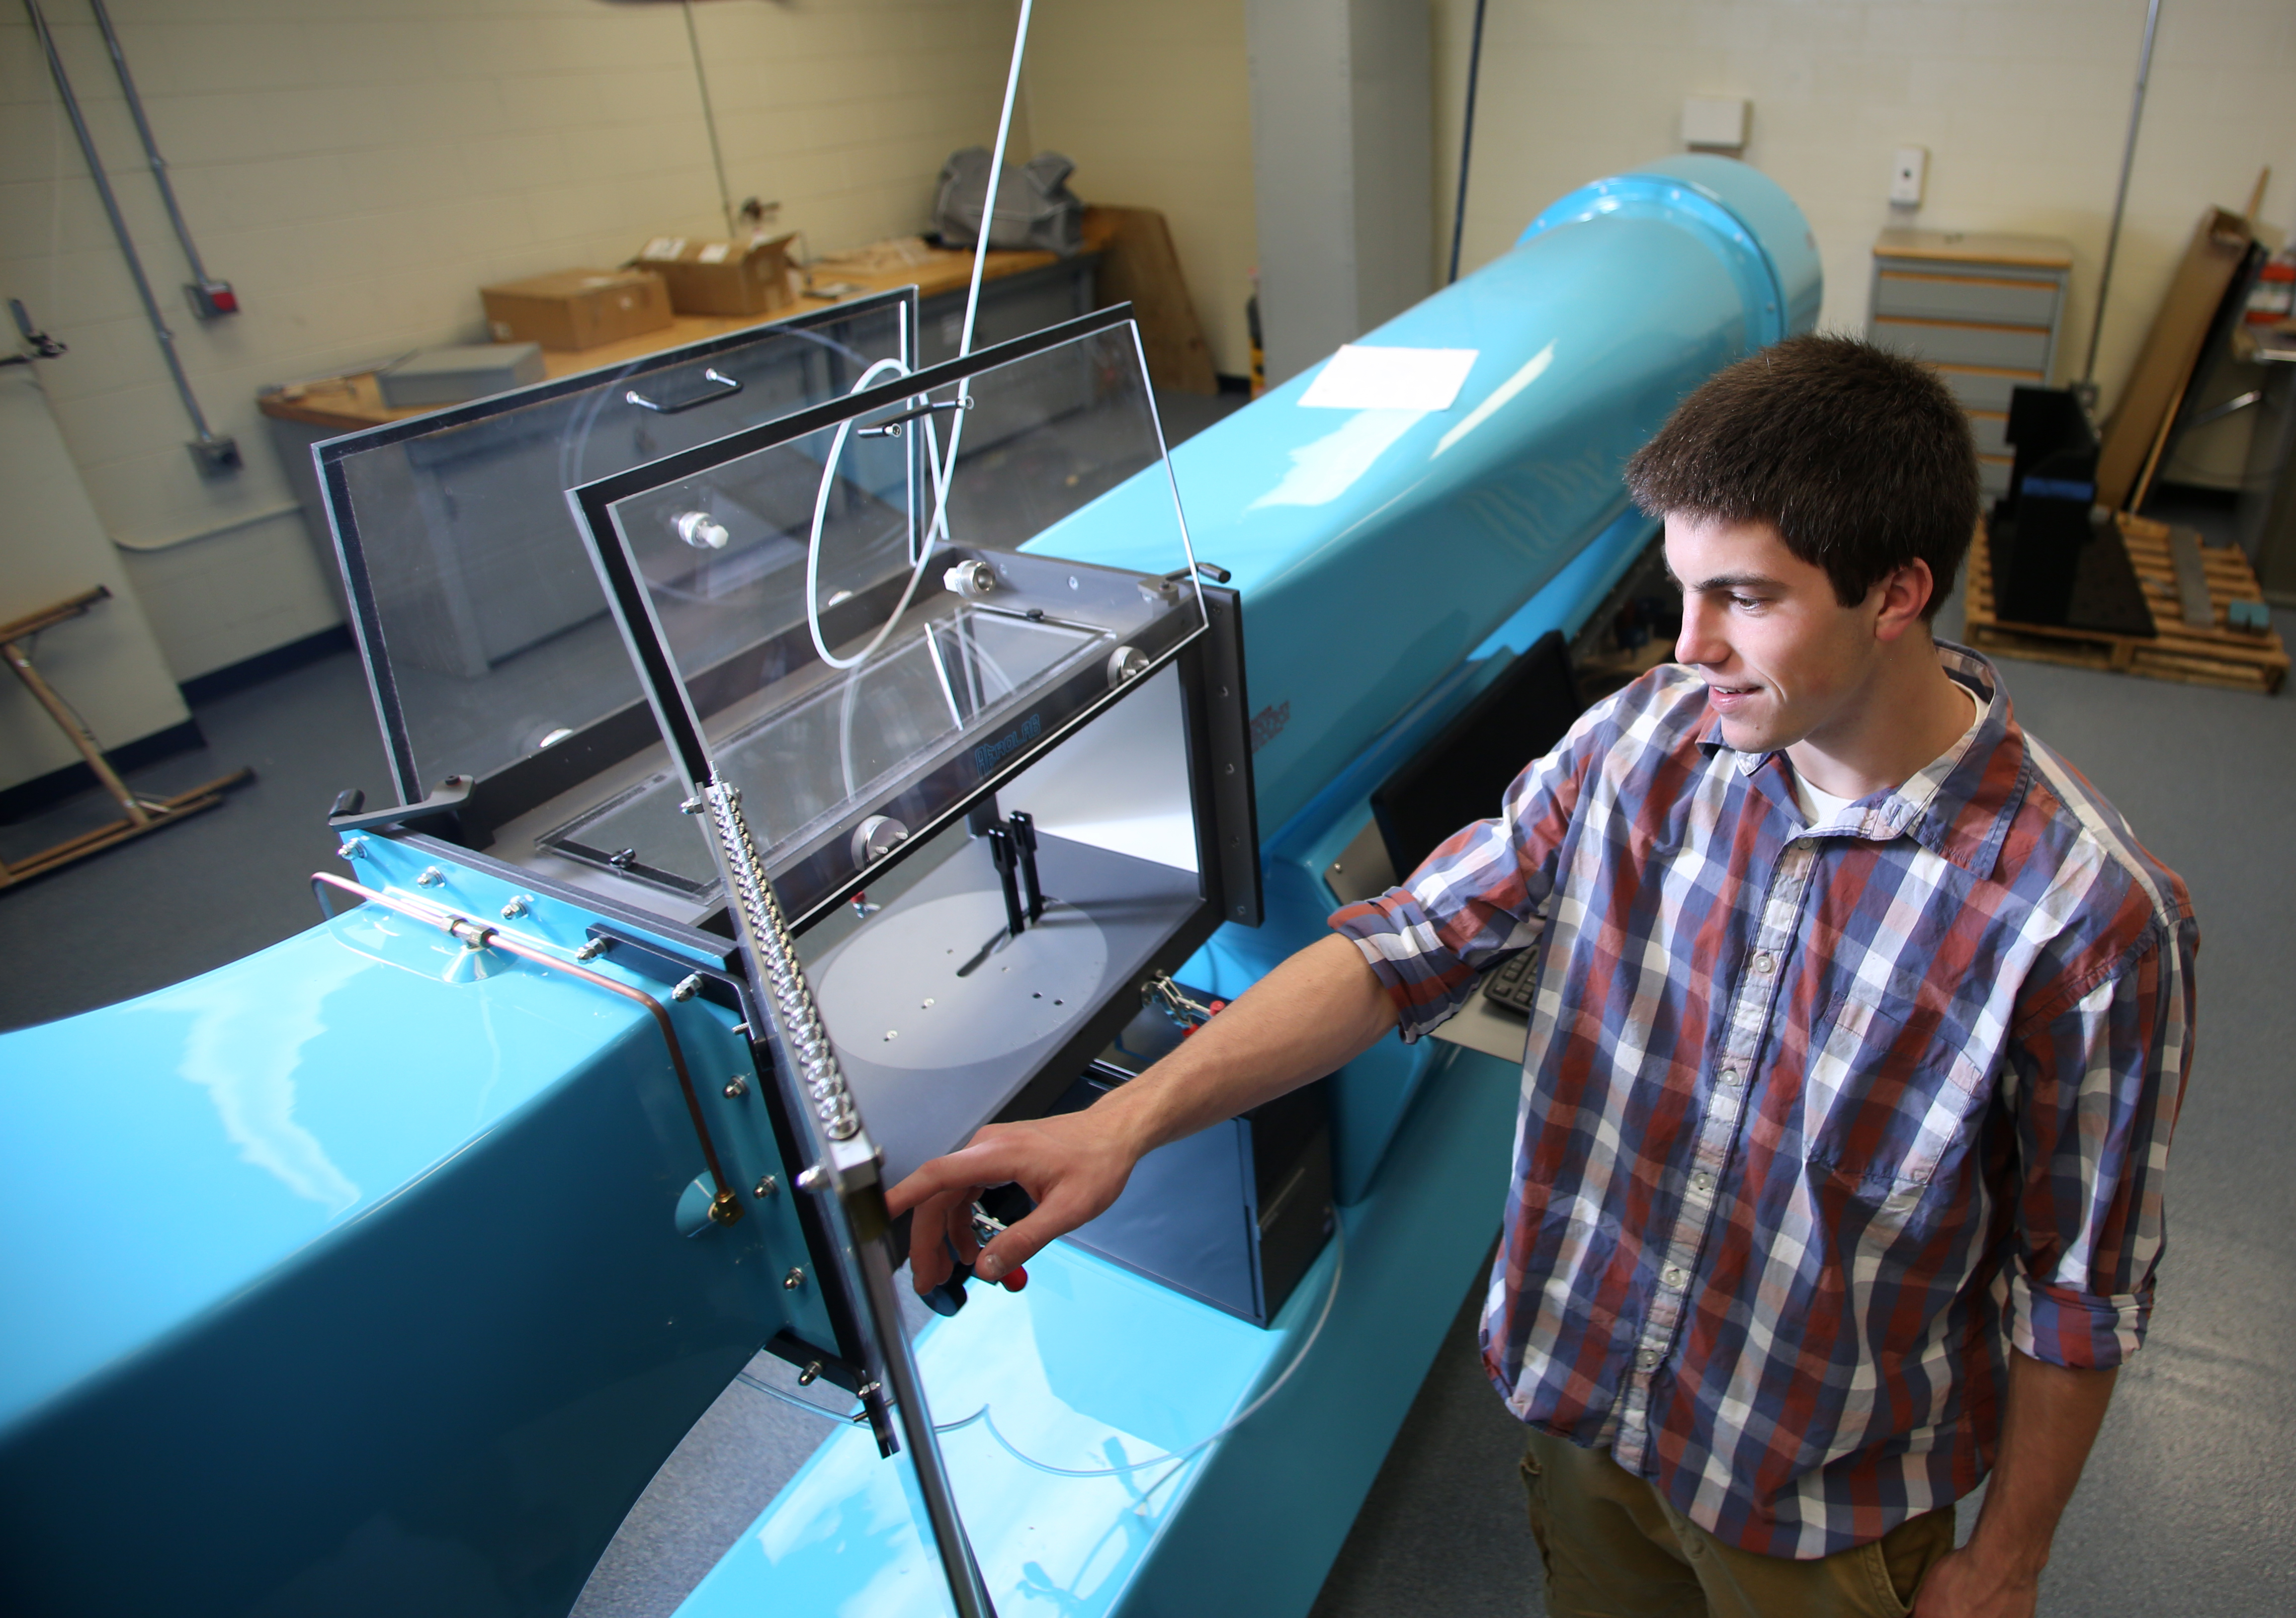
x,y
724,1207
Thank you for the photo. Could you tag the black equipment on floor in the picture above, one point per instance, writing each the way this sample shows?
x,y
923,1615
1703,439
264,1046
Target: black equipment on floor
x,y
2056,560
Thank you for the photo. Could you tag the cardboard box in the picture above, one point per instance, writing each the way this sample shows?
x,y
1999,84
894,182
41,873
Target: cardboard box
x,y
580,308
448,376
721,277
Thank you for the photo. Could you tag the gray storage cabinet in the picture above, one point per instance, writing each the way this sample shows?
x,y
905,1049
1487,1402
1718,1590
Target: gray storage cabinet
x,y
1985,309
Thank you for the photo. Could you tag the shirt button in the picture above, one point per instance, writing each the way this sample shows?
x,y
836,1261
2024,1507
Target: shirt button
x,y
1764,962
1701,1181
1728,1075
1676,1276
1647,1359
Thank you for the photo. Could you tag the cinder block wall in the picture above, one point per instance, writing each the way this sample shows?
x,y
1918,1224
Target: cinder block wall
x,y
358,168
1154,103
2022,104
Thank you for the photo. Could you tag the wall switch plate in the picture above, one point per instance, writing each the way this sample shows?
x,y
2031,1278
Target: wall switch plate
x,y
1715,123
1909,172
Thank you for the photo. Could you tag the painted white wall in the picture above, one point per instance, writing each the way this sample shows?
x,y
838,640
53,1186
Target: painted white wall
x,y
106,663
2022,104
1342,121
358,168
1154,105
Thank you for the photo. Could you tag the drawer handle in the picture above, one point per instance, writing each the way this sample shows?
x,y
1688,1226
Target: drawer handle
x,y
726,388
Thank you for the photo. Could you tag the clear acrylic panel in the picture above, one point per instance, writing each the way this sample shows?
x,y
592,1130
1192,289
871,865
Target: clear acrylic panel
x,y
839,674
482,613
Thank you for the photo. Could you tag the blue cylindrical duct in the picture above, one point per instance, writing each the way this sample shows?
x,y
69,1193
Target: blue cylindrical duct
x,y
1376,548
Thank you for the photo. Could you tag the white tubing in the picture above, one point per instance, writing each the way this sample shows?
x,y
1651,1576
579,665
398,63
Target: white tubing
x,y
942,469
821,515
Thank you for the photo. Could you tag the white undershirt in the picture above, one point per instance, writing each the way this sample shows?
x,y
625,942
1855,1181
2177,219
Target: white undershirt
x,y
1819,806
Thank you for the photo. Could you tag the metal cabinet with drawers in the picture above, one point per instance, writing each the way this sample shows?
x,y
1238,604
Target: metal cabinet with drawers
x,y
1985,309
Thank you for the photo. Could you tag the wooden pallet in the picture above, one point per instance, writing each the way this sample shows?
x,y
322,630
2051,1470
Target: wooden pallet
x,y
2221,656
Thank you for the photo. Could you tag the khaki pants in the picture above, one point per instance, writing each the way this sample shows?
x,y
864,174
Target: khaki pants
x,y
1615,1547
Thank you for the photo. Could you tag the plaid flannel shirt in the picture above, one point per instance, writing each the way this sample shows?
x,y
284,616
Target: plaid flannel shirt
x,y
1817,1121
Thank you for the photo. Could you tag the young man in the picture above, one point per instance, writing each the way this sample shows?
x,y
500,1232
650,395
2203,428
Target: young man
x,y
1860,1031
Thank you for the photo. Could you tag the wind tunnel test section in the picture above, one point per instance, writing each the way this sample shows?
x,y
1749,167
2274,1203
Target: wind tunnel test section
x,y
981,774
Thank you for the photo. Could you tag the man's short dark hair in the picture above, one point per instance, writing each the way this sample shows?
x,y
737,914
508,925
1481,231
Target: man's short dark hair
x,y
1858,456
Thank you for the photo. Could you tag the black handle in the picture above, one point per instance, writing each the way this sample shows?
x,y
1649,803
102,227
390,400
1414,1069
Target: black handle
x,y
1024,842
1005,857
726,388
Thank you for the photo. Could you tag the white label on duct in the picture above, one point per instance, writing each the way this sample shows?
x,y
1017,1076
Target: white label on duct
x,y
1359,378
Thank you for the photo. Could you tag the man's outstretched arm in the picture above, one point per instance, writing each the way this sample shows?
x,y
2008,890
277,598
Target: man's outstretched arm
x,y
1310,1015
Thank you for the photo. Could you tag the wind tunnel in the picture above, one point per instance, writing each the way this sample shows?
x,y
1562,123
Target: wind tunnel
x,y
379,1271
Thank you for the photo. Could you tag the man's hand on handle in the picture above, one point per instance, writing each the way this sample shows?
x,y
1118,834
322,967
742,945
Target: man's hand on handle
x,y
1307,1017
1073,1165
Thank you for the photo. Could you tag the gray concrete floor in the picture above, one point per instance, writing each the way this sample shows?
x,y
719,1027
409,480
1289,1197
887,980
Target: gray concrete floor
x,y
2193,1483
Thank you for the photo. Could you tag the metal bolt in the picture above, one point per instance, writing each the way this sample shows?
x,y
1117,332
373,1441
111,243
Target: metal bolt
x,y
793,1280
690,806
591,951
1126,664
430,878
874,838
353,848
807,1377
737,1087
767,1186
814,1178
971,579
516,907
700,531
687,987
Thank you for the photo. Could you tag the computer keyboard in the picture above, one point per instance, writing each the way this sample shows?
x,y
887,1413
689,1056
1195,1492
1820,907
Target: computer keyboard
x,y
1509,986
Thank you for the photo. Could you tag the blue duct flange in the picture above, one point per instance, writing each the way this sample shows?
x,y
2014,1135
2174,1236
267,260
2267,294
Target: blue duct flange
x,y
1753,223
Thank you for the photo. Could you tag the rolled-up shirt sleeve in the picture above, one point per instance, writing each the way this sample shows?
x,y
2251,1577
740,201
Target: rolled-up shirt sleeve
x,y
1475,901
2098,1086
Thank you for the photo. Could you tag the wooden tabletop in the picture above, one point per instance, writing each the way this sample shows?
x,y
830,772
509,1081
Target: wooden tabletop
x,y
1974,247
348,403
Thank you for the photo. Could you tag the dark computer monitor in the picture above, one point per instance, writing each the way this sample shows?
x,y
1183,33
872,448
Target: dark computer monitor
x,y
1463,774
